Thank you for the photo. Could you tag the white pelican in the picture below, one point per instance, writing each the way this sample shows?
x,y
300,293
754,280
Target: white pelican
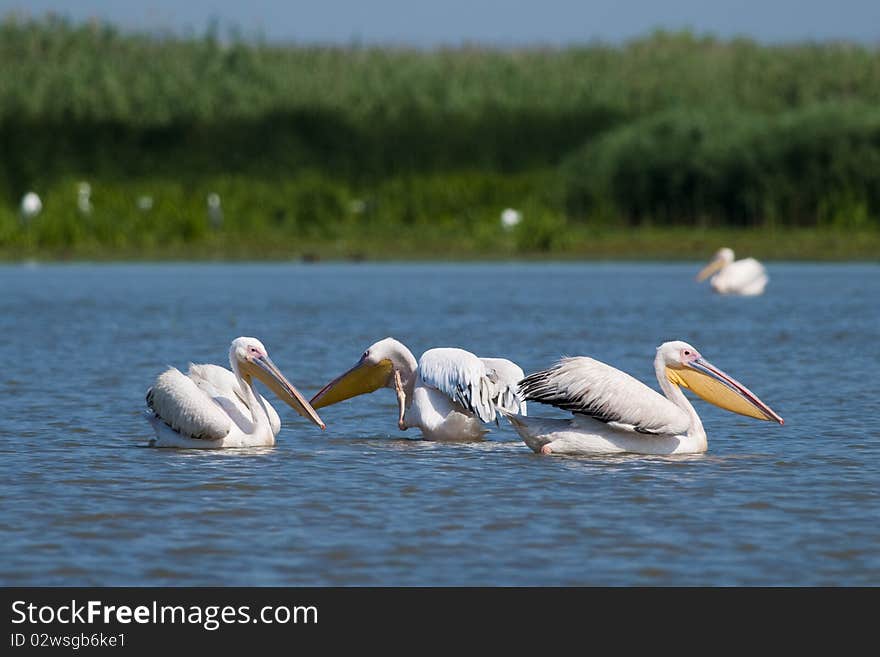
x,y
613,412
84,197
30,207
745,277
510,218
215,210
448,394
211,407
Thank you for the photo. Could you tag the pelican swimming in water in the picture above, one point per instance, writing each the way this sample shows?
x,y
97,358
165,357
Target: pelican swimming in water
x,y
448,394
211,407
745,277
614,413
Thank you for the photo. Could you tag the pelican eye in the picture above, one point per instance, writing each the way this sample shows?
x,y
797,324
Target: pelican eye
x,y
687,353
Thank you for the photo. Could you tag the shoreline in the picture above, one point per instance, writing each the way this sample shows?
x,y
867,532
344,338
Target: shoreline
x,y
573,244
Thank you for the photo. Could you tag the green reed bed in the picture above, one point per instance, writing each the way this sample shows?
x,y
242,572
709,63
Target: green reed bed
x,y
608,151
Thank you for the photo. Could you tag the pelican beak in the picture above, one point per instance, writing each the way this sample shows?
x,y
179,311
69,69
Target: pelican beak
x,y
710,269
359,380
720,389
266,371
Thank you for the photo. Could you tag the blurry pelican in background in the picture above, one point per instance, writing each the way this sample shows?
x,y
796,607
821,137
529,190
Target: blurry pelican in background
x,y
30,207
614,413
84,198
211,407
510,218
215,210
745,277
448,394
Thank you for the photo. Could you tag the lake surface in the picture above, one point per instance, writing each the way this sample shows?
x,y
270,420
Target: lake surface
x,y
362,503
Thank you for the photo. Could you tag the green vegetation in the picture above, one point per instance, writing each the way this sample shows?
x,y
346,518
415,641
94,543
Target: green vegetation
x,y
816,166
664,147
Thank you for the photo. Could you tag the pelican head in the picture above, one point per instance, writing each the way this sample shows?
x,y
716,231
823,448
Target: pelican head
x,y
249,358
374,370
720,260
685,367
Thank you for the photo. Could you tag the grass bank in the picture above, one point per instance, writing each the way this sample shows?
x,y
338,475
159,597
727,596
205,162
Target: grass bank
x,y
411,217
637,244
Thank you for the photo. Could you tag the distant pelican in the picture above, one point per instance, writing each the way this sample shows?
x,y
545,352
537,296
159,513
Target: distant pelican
x,y
211,407
448,394
744,277
510,218
30,207
145,203
215,211
613,412
84,198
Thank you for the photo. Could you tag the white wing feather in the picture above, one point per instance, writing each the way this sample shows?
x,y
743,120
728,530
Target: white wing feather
x,y
462,377
586,386
221,385
178,401
506,375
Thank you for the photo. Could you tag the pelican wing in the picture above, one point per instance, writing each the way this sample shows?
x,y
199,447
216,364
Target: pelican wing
x,y
178,401
587,387
506,375
221,385
462,377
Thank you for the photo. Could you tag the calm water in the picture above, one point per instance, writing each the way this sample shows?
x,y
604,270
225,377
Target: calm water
x,y
363,503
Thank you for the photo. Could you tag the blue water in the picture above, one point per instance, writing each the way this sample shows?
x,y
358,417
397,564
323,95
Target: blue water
x,y
84,503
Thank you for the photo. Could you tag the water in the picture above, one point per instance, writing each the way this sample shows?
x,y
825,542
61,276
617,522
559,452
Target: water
x,y
83,503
